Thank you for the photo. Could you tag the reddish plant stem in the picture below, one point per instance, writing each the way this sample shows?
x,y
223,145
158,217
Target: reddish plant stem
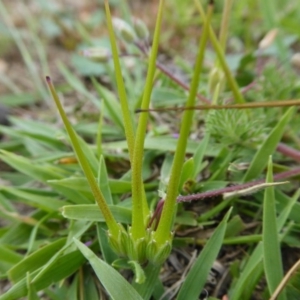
x,y
167,72
180,82
288,151
220,192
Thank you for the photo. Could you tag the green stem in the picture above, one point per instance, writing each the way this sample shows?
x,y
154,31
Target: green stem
x,y
109,219
129,131
231,81
225,24
163,231
139,204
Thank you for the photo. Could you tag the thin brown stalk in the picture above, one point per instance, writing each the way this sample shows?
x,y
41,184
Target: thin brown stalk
x,y
220,192
284,281
278,103
288,151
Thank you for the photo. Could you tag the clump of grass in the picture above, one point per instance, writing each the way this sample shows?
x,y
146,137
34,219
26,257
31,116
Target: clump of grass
x,y
84,213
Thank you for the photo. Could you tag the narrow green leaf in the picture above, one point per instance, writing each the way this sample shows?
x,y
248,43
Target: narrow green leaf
x,y
42,202
159,143
76,84
146,289
271,245
9,256
199,154
117,287
111,222
139,273
62,268
103,181
35,260
73,195
110,103
127,118
260,159
197,276
89,154
31,295
221,58
25,166
187,172
241,289
108,254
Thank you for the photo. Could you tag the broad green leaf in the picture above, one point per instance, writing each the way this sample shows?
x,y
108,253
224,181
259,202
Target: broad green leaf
x,y
91,212
260,160
271,245
113,282
197,276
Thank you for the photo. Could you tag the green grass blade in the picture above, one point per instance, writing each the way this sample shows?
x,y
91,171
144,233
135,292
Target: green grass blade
x,y
35,260
111,104
62,268
45,203
260,159
146,289
254,265
113,282
25,166
199,154
76,84
271,245
8,256
28,60
107,253
196,278
111,222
